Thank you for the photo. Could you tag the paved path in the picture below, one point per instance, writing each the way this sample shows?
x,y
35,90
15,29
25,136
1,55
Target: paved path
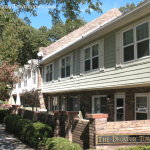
x,y
9,142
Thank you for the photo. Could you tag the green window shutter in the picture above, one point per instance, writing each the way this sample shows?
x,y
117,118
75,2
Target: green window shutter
x,y
81,61
101,55
118,50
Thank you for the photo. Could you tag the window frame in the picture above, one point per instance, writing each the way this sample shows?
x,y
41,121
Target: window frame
x,y
119,95
148,104
134,27
78,98
50,103
93,104
48,65
91,57
60,60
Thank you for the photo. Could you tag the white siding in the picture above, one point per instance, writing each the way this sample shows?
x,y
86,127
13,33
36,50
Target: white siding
x,y
130,74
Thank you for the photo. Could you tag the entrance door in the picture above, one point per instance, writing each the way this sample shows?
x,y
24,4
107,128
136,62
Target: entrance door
x,y
119,107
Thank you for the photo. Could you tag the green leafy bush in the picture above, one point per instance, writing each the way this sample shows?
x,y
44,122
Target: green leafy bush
x,y
32,133
3,113
59,143
136,148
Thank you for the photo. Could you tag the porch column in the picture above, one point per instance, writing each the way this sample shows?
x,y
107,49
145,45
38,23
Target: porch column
x,y
97,122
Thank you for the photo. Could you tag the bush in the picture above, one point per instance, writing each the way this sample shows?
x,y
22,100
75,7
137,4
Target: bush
x,y
59,143
32,133
3,114
136,148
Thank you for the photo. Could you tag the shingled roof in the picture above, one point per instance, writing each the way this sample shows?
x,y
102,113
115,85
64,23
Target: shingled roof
x,y
73,36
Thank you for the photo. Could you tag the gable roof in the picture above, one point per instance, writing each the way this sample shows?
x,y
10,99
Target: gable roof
x,y
73,36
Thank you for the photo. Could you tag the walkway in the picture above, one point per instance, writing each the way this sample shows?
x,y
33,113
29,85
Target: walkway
x,y
9,142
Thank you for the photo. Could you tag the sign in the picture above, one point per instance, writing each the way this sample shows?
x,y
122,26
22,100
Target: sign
x,y
122,139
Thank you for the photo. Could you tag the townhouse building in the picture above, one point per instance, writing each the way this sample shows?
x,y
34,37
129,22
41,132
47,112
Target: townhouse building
x,y
102,67
29,85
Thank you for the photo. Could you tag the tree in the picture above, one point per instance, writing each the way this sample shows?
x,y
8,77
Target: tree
x,y
129,7
61,29
69,9
19,41
7,79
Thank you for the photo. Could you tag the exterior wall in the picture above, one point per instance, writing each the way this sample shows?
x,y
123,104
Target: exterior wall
x,y
86,100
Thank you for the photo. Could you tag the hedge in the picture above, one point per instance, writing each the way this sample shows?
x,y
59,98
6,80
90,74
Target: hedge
x,y
3,113
136,148
59,143
32,133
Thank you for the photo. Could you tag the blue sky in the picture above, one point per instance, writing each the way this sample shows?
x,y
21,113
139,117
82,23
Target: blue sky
x,y
44,19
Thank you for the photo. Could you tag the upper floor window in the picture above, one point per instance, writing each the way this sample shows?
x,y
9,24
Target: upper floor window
x,y
34,77
49,73
136,42
91,58
65,67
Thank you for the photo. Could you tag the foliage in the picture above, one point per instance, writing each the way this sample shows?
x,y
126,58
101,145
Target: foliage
x,y
61,29
69,9
59,143
136,148
32,133
19,41
128,7
3,114
7,78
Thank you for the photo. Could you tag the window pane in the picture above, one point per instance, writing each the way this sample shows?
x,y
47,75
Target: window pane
x,y
87,53
103,105
51,68
63,72
97,105
128,37
50,76
87,65
129,53
141,116
67,61
67,71
143,49
95,50
95,62
142,31
141,104
120,109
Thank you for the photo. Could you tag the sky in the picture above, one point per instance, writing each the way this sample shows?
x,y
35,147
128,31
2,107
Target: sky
x,y
44,19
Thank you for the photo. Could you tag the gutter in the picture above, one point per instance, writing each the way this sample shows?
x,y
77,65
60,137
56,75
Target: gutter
x,y
98,28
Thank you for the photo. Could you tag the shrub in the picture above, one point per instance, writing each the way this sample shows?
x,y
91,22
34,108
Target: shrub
x,y
3,113
32,133
59,143
136,148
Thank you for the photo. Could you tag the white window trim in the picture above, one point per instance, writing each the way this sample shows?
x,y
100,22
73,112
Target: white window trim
x,y
148,103
50,103
119,95
133,26
71,67
52,72
99,54
93,97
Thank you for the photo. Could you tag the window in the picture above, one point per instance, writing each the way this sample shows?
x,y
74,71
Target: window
x,y
49,73
91,58
25,80
53,103
141,107
136,42
119,107
99,104
63,103
65,67
34,77
19,84
73,103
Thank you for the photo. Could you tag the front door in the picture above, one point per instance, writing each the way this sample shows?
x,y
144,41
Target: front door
x,y
119,107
